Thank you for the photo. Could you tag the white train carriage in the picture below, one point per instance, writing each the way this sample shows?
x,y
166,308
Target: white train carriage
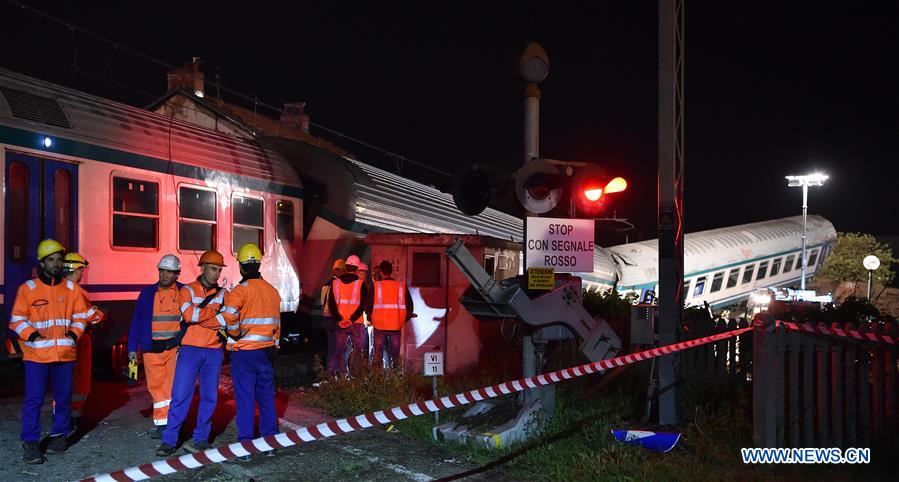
x,y
124,186
724,266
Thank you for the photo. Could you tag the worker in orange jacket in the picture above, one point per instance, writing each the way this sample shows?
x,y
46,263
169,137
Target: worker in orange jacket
x,y
200,357
73,267
347,304
251,313
391,307
49,313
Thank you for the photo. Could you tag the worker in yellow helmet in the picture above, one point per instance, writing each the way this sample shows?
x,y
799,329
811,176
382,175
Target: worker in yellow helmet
x,y
329,325
73,267
251,313
50,330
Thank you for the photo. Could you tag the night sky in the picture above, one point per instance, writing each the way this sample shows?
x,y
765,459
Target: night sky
x,y
771,89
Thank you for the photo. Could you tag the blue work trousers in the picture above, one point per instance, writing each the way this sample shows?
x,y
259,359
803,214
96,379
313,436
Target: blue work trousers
x,y
193,362
60,374
353,334
254,382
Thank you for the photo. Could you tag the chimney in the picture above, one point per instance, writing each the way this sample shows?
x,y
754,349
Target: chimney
x,y
189,78
293,115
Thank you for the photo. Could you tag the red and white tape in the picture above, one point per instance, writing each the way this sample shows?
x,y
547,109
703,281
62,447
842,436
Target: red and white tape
x,y
381,417
837,331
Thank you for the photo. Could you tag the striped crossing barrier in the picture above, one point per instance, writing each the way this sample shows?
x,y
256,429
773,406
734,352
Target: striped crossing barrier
x,y
835,330
381,417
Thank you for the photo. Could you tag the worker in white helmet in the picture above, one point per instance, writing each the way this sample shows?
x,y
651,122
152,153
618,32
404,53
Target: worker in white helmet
x,y
156,332
346,302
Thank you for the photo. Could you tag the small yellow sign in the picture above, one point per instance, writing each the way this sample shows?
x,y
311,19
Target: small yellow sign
x,y
541,279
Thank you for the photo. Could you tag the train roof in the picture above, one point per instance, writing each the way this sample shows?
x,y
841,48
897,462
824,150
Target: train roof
x,y
33,108
708,250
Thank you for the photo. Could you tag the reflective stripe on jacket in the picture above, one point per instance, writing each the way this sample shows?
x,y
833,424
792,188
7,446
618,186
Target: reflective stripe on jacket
x,y
166,319
202,324
347,296
252,314
51,311
388,310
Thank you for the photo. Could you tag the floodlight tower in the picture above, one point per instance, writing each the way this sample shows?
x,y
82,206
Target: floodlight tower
x,y
805,181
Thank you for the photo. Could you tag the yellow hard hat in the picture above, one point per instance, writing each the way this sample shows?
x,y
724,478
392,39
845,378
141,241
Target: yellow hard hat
x,y
48,247
249,253
212,257
338,264
73,261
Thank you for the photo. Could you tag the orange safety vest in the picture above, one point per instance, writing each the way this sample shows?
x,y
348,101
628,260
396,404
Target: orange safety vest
x,y
166,321
347,297
252,314
51,311
200,331
389,309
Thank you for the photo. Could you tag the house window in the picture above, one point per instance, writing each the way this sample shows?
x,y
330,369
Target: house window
x,y
699,287
763,270
775,266
732,277
426,269
135,213
812,259
788,264
717,280
247,222
747,274
284,214
197,225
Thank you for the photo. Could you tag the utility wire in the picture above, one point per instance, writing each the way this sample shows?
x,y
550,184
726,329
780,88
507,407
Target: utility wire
x,y
252,99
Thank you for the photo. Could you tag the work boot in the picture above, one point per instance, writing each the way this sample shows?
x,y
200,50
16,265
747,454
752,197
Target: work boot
x,y
58,444
157,434
194,446
31,454
165,450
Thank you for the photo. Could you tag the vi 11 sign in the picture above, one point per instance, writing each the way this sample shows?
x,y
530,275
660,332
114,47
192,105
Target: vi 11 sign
x,y
566,245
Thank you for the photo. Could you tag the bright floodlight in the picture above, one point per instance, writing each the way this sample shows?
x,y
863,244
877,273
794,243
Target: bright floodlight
x,y
816,179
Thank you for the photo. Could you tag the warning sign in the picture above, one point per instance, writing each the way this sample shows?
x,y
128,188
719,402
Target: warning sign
x,y
541,279
566,245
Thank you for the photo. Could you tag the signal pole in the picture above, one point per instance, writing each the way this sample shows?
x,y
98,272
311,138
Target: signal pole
x,y
671,196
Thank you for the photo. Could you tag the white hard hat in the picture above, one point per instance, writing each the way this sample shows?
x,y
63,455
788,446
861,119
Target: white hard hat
x,y
169,262
353,260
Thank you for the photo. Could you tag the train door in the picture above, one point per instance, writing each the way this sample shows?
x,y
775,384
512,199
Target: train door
x,y
426,277
41,202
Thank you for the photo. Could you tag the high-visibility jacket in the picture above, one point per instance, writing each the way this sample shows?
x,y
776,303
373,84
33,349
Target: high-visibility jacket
x,y
51,311
348,298
202,326
252,315
388,311
94,315
166,321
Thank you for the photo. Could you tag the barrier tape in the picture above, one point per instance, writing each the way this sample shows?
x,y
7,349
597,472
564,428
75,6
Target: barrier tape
x,y
836,331
382,417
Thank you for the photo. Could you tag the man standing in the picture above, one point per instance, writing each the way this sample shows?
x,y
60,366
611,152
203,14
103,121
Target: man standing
x,y
49,314
252,313
73,267
156,331
346,305
328,323
391,307
200,356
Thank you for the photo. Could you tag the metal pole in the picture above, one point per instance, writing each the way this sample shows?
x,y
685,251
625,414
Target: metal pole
x,y
870,283
804,215
531,151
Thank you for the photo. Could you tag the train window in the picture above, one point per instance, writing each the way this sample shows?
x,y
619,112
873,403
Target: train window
x,y
788,264
699,287
284,211
426,269
812,258
17,196
197,224
732,278
62,200
747,274
763,270
135,213
686,289
247,227
798,262
775,266
717,280
490,265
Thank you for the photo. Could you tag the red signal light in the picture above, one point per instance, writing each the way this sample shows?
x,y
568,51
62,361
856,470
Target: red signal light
x,y
593,194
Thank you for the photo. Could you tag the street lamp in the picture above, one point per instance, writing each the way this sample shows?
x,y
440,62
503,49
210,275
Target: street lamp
x,y
816,179
871,263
